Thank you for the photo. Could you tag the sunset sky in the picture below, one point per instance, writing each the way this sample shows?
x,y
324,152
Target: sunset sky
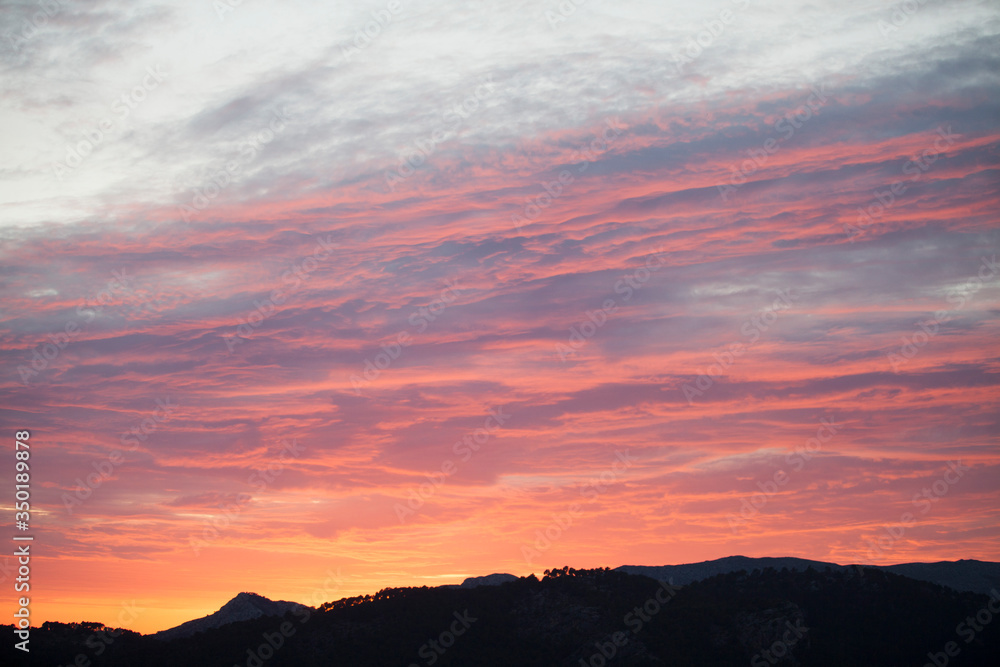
x,y
410,291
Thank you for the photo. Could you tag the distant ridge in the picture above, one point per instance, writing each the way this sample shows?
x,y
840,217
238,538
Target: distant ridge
x,y
243,607
489,580
494,579
963,575
688,573
737,618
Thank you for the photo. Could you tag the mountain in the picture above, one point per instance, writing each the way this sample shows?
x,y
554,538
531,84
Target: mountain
x,y
691,572
814,617
962,575
243,607
494,579
489,580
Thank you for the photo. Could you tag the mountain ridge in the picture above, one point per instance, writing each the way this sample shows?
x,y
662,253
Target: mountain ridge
x,y
964,575
568,617
968,575
244,607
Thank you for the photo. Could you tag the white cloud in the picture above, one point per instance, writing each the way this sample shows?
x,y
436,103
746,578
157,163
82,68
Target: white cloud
x,y
225,75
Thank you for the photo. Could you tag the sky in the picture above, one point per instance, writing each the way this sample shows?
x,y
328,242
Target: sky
x,y
316,298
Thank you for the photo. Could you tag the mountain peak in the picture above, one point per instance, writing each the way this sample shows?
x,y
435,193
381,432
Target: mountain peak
x,y
247,598
244,607
248,594
494,579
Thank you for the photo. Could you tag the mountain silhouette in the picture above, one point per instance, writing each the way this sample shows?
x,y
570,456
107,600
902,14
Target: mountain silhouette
x,y
243,607
806,613
962,575
489,580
